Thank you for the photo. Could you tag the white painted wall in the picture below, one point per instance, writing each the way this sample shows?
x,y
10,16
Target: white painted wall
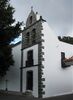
x,y
58,81
13,75
34,69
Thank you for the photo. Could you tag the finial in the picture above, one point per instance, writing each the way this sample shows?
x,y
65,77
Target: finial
x,y
31,8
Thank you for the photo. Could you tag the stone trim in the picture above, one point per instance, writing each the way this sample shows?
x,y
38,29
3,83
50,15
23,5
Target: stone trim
x,y
42,47
29,46
40,68
21,73
34,24
28,67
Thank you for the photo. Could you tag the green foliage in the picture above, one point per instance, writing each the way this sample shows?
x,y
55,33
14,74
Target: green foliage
x,y
5,59
8,32
66,39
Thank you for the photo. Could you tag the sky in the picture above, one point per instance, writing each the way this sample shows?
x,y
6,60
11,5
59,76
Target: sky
x,y
57,13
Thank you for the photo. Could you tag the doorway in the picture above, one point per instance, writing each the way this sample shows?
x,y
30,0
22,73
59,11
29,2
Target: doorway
x,y
29,80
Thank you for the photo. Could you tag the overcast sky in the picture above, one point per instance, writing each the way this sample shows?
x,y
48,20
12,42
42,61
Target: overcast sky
x,y
58,13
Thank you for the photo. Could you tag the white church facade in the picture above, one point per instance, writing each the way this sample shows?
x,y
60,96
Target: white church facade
x,y
43,64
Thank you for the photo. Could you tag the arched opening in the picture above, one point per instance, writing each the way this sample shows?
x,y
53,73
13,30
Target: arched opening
x,y
28,37
29,80
30,19
29,62
34,36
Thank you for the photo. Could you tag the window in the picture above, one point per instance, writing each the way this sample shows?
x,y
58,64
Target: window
x,y
29,61
29,80
33,36
62,60
28,37
63,55
30,19
30,55
65,62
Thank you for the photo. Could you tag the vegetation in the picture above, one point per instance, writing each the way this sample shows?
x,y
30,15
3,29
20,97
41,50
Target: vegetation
x,y
8,32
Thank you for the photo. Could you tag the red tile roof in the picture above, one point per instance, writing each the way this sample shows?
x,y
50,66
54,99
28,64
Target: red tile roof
x,y
68,59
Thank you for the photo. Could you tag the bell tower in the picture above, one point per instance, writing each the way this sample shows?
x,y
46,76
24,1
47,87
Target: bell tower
x,y
31,34
31,56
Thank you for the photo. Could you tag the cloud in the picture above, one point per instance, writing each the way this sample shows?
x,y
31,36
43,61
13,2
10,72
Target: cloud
x,y
58,13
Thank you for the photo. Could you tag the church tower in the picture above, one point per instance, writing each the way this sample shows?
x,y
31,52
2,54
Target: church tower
x,y
46,67
31,56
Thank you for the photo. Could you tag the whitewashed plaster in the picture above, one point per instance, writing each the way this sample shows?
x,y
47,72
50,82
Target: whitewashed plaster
x,y
58,81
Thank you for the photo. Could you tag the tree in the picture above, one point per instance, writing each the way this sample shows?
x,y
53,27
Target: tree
x,y
66,39
8,32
